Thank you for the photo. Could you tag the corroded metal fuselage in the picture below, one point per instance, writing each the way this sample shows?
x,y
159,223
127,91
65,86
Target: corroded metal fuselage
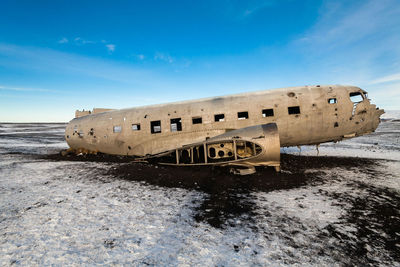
x,y
303,115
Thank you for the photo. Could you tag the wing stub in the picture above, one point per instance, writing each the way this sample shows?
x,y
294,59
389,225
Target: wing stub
x,y
248,147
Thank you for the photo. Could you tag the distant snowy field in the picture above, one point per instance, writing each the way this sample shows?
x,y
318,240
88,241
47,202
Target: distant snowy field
x,y
73,213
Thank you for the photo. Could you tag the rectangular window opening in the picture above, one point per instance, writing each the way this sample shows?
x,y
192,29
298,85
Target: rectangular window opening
x,y
197,120
155,127
117,129
294,110
243,115
268,112
136,127
176,125
219,117
332,101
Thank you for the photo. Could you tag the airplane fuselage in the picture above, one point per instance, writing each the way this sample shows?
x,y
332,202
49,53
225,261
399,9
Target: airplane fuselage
x,y
303,115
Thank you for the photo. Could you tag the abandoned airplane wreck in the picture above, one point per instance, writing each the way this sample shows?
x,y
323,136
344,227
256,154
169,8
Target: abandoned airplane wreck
x,y
243,130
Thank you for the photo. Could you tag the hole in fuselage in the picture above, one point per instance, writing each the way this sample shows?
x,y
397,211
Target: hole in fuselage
x,y
294,110
212,152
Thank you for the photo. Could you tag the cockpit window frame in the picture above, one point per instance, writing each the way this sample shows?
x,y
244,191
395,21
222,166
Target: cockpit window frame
x,y
354,95
365,94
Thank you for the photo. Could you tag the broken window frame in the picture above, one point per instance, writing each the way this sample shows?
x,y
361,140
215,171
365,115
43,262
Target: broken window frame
x,y
243,115
153,125
135,127
219,117
178,124
117,128
197,120
294,110
268,112
354,95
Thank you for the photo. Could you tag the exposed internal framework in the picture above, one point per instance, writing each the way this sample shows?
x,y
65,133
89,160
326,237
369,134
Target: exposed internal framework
x,y
252,146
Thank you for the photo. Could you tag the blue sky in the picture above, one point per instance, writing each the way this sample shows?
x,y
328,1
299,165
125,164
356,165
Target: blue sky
x,y
59,56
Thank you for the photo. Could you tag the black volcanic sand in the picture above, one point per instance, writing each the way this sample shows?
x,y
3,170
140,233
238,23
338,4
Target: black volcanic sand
x,y
375,215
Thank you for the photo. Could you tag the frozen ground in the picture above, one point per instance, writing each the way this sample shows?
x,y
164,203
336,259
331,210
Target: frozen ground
x,y
319,211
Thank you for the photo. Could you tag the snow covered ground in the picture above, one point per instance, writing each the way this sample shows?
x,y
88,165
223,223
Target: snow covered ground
x,y
318,211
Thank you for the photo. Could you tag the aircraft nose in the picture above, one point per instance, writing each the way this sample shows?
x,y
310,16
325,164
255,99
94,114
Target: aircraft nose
x,y
378,112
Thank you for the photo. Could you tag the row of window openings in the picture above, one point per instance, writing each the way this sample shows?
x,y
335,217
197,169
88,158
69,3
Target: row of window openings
x,y
176,124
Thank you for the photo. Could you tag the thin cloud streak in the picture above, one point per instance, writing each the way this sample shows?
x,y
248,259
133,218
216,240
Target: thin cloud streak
x,y
63,40
81,41
251,10
351,42
164,57
340,25
47,60
22,89
110,47
386,79
386,96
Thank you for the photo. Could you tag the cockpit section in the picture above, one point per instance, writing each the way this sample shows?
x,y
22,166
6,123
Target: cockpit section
x,y
358,96
365,115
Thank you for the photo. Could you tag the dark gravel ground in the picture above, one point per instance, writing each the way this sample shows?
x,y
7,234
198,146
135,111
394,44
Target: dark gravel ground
x,y
375,215
363,228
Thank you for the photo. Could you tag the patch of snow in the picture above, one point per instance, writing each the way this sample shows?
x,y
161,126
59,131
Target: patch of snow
x,y
74,213
391,114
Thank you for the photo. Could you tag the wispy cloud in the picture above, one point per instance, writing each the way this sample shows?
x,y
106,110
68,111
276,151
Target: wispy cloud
x,y
63,40
24,89
163,57
386,79
110,47
81,41
341,23
352,41
385,95
255,6
242,10
51,61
